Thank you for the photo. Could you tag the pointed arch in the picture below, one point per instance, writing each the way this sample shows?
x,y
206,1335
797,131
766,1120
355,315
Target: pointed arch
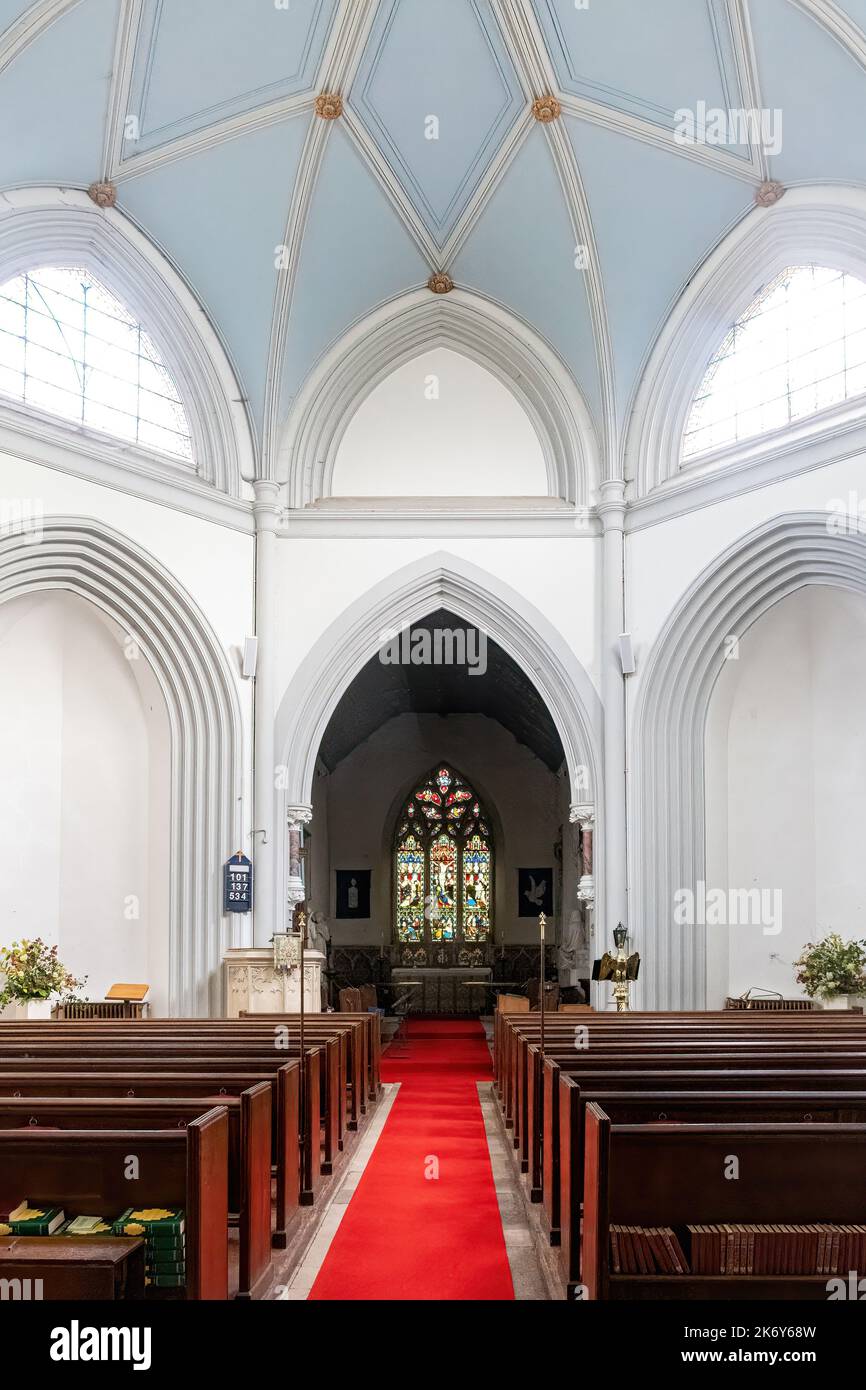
x,y
439,580
85,557
668,812
822,225
62,227
399,331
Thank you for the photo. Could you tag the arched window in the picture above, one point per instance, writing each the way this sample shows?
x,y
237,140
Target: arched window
x,y
68,346
443,863
799,348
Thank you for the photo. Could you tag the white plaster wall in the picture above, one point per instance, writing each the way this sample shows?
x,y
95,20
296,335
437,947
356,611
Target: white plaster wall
x,y
662,561
85,806
214,564
786,785
440,426
355,807
318,579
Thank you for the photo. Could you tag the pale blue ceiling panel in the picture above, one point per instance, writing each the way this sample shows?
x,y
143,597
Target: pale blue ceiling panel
x,y
656,216
220,215
356,253
10,10
201,61
820,90
856,9
437,92
522,253
648,59
53,99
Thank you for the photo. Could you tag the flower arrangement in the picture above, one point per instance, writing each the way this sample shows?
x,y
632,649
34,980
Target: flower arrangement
x,y
832,967
33,971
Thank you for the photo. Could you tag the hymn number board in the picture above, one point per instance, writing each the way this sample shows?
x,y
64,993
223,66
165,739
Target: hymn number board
x,y
238,884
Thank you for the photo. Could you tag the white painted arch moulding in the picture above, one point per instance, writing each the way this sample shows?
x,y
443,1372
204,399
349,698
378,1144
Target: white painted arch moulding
x,y
824,225
438,580
668,811
397,332
63,227
82,556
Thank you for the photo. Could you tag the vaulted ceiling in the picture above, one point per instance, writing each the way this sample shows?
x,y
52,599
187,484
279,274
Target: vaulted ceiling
x,y
202,112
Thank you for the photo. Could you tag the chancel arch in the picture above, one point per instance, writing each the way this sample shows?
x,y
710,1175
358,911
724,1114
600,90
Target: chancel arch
x,y
668,783
85,558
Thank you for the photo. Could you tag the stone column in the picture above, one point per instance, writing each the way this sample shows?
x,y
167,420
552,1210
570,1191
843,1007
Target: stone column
x,y
585,817
611,509
296,818
266,513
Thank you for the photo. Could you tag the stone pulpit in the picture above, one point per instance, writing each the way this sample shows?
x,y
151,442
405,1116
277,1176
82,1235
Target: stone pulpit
x,y
251,983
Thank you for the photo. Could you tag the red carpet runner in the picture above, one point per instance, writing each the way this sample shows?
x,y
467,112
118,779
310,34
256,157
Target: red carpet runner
x,y
409,1236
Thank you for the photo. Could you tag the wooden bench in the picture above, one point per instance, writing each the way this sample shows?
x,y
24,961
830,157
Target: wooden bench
x,y
249,1152
674,1175
685,1104
84,1172
126,1080
125,1056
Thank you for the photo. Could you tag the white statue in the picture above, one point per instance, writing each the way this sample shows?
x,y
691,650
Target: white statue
x,y
318,932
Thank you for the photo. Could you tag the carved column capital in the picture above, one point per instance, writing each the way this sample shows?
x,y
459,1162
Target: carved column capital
x,y
299,815
584,815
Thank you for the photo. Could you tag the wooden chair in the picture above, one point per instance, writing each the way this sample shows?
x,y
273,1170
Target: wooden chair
x,y
512,1004
369,999
350,1000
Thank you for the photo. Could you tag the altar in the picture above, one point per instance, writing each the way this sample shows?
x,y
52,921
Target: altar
x,y
451,990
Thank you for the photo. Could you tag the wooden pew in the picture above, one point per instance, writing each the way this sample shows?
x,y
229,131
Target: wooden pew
x,y
43,1040
674,1175
687,1103
249,1152
126,1080
84,1172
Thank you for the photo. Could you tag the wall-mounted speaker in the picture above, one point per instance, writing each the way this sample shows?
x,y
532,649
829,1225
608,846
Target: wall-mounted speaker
x,y
626,654
251,651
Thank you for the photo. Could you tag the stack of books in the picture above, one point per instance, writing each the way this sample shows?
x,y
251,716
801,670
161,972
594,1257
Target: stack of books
x,y
646,1250
87,1226
163,1231
764,1249
27,1220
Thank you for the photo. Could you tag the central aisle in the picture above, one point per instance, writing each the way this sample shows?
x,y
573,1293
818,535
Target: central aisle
x,y
409,1235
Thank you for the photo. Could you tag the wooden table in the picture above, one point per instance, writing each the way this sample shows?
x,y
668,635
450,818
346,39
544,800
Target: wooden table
x,y
72,1268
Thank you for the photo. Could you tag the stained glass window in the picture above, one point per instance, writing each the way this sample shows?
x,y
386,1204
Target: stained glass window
x,y
410,873
443,863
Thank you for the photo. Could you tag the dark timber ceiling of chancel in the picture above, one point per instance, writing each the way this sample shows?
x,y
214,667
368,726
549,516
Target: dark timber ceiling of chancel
x,y
382,691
